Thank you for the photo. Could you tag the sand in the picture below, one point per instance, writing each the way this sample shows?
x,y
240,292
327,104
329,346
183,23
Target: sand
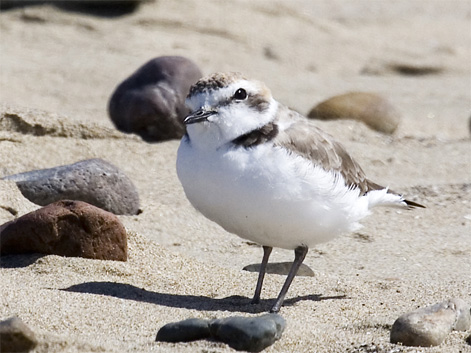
x,y
58,69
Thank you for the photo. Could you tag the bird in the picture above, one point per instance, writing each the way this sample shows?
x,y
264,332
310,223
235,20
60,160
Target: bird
x,y
268,174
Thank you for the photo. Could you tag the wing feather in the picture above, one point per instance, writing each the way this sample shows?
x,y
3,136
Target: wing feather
x,y
300,136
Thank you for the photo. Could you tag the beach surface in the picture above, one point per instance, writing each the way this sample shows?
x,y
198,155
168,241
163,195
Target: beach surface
x,y
58,68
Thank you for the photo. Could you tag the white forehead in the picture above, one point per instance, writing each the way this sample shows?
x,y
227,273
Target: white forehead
x,y
214,96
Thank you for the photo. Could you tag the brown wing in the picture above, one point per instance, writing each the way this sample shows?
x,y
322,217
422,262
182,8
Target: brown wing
x,y
303,138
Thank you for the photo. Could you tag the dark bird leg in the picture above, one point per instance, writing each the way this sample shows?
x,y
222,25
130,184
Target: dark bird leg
x,y
261,275
299,255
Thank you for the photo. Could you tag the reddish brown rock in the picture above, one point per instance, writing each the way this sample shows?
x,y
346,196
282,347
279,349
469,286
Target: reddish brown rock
x,y
66,228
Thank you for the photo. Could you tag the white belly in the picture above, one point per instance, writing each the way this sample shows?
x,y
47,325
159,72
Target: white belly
x,y
268,196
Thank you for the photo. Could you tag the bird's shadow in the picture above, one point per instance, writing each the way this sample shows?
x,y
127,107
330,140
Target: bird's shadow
x,y
232,303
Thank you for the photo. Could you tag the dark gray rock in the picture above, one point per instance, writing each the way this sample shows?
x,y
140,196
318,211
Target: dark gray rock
x,y
66,228
184,331
151,102
429,326
94,181
15,336
252,334
281,268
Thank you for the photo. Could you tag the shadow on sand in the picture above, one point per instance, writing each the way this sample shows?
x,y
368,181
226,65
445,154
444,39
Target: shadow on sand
x,y
232,303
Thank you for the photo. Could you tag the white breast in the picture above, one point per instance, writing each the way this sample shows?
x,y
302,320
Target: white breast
x,y
268,196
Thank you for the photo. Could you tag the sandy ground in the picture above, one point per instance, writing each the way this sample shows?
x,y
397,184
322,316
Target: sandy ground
x,y
59,67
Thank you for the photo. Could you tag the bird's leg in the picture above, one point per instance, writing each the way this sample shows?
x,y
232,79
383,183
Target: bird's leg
x,y
299,255
263,267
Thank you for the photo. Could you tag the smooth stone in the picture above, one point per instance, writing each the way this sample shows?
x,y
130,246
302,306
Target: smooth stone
x,y
281,268
151,102
15,336
429,326
184,331
252,334
66,228
373,110
94,181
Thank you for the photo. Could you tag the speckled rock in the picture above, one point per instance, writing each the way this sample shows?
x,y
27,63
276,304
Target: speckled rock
x,y
66,228
151,102
94,181
184,331
429,326
281,268
252,334
15,336
375,111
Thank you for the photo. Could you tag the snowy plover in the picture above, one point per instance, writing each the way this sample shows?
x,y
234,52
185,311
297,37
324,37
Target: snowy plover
x,y
268,174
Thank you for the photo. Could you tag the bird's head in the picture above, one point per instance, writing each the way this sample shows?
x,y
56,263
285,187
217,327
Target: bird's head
x,y
225,106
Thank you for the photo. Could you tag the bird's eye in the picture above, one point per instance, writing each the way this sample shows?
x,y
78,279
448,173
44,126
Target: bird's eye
x,y
240,94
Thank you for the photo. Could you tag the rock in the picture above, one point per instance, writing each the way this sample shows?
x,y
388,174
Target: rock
x,y
252,334
66,228
94,181
281,268
184,331
463,314
15,336
151,102
372,109
429,326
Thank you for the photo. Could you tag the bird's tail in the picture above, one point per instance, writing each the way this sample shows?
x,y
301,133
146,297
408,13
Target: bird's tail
x,y
389,198
412,204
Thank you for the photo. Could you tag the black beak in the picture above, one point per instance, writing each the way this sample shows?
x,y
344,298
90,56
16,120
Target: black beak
x,y
198,116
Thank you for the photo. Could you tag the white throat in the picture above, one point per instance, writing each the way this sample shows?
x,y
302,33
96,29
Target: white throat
x,y
231,121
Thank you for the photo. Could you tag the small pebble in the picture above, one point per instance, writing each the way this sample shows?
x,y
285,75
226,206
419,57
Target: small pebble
x,y
281,268
373,110
429,326
66,228
151,102
15,336
252,334
184,331
94,181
